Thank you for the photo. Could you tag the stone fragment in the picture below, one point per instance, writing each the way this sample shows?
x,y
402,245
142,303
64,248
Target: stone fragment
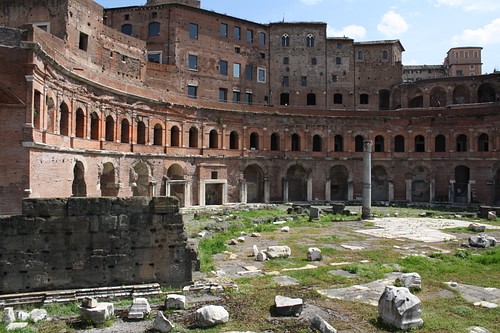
x,y
162,324
261,256
231,255
140,308
286,306
487,305
22,315
9,315
255,251
203,233
285,229
482,241
255,234
37,315
314,254
476,227
279,222
398,307
233,241
175,301
412,281
492,215
314,213
286,280
211,315
89,302
477,329
321,325
16,326
99,314
274,252
241,239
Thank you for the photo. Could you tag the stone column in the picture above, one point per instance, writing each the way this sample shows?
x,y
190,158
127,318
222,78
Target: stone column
x,y
285,190
451,191
267,190
309,189
391,190
187,194
469,190
367,179
408,190
243,193
350,190
432,190
328,189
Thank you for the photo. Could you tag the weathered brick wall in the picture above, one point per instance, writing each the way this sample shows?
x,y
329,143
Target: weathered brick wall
x,y
92,242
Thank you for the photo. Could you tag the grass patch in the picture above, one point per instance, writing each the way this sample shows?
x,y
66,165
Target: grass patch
x,y
208,247
62,309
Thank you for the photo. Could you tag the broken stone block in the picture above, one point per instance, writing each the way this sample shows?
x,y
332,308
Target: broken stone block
x,y
241,239
314,254
313,213
482,241
233,241
37,315
162,324
89,302
9,315
398,307
99,314
255,251
412,281
476,227
477,329
285,229
261,256
140,308
274,252
16,326
255,234
492,215
211,315
286,306
319,324
22,315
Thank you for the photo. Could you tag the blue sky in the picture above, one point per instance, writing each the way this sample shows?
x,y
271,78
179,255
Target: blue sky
x,y
426,28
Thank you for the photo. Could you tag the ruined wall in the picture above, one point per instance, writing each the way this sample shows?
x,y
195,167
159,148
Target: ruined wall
x,y
92,242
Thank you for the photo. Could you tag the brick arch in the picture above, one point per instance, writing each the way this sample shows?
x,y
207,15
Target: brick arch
x,y
420,190
437,97
254,177
416,98
140,177
108,180
296,176
339,182
461,94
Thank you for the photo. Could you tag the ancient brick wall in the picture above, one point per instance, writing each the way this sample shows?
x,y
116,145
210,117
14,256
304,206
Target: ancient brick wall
x,y
92,242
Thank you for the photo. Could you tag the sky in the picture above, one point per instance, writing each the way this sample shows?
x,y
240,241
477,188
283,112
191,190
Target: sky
x,y
427,29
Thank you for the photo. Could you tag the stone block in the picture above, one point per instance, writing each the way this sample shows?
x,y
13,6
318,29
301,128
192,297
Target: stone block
x,y
314,254
140,308
399,308
89,206
37,315
476,227
162,324
89,302
274,252
44,207
165,205
99,314
411,281
211,315
175,301
9,315
319,324
285,306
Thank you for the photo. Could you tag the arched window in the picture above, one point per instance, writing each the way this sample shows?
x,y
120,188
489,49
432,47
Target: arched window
x,y
419,144
440,143
311,99
64,119
193,137
379,144
154,29
213,140
141,133
285,40
358,143
275,141
94,126
317,143
125,131
127,29
110,129
233,140
254,141
483,143
462,142
310,40
338,143
175,136
158,135
295,142
337,98
80,123
399,144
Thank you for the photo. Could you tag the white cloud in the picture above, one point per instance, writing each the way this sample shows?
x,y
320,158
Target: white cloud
x,y
470,5
489,34
310,2
351,31
392,24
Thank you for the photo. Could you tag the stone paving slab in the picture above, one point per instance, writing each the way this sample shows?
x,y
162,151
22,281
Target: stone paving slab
x,y
474,294
425,230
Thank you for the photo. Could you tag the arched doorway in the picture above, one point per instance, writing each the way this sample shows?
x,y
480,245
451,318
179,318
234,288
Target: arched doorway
x,y
254,178
140,180
108,186
462,177
380,184
296,177
79,187
420,190
339,186
176,183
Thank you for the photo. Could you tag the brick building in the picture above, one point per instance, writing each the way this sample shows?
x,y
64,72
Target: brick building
x,y
171,99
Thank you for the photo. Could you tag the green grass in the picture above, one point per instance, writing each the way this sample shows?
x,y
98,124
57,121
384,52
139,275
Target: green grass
x,y
210,246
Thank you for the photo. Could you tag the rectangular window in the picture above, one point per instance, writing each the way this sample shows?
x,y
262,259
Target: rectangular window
x,y
360,55
223,30
192,91
456,55
339,46
248,72
126,17
466,54
338,61
249,98
236,96
263,55
249,36
45,26
236,70
334,78
223,95
286,60
83,41
193,62
262,38
193,30
237,49
236,33
154,56
476,54
303,81
314,61
154,15
261,75
223,67
286,81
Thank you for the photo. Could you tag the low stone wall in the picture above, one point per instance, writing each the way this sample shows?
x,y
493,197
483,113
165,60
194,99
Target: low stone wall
x,y
93,242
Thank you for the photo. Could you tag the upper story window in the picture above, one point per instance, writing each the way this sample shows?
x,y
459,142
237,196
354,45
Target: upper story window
x,y
127,29
223,67
236,70
193,62
249,72
249,36
339,45
126,17
154,29
223,30
310,40
83,41
261,75
236,33
338,61
385,55
360,55
262,38
285,40
303,81
314,61
193,30
286,60
154,56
